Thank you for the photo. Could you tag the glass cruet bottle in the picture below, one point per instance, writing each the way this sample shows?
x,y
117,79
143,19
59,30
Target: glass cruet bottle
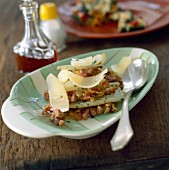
x,y
35,50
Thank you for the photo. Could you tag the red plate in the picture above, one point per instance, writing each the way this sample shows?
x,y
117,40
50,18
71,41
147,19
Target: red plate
x,y
154,12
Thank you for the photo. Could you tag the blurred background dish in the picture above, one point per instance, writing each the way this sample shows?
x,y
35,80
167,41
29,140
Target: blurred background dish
x,y
153,12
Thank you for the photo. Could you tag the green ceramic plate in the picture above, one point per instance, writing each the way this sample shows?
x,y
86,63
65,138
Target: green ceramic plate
x,y
22,110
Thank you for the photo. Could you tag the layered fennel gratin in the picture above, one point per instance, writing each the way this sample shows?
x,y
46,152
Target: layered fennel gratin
x,y
83,89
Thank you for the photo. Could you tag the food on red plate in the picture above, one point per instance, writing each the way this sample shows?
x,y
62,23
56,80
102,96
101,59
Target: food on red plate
x,y
99,12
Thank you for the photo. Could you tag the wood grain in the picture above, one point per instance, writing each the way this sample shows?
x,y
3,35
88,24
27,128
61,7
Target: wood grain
x,y
149,118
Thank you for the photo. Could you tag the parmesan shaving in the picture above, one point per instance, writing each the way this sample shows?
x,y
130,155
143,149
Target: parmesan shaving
x,y
86,82
57,94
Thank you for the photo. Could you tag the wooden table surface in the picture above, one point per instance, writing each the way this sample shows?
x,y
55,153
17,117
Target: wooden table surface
x,y
148,149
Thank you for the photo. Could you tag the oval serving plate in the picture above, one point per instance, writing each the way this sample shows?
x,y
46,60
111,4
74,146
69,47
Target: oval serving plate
x,y
21,112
